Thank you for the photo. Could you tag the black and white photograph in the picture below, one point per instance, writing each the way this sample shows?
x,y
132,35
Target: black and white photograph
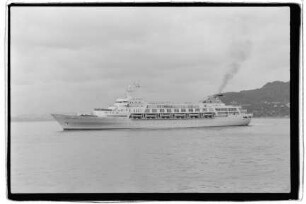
x,y
151,99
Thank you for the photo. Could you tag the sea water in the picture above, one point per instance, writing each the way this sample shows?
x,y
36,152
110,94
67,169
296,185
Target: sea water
x,y
254,158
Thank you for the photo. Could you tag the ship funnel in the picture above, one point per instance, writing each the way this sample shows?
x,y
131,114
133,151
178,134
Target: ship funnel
x,y
218,95
212,99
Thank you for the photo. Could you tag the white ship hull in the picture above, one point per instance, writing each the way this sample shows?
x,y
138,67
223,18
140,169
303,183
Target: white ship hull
x,y
74,122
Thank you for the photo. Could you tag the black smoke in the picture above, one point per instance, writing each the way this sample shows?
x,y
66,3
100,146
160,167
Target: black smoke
x,y
240,52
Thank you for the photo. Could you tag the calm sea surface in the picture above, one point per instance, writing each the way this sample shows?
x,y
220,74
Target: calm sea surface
x,y
256,158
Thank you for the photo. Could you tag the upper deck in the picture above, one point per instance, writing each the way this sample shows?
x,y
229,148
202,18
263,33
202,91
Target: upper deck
x,y
136,105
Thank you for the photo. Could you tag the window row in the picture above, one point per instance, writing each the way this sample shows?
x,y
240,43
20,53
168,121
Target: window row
x,y
176,110
151,106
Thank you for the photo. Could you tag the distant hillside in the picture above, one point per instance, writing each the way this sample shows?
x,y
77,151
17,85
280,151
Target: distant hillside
x,y
272,100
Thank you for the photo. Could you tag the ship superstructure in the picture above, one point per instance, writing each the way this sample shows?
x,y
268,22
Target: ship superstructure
x,y
135,112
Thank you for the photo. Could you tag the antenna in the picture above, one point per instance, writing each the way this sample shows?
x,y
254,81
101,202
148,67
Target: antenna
x,y
131,88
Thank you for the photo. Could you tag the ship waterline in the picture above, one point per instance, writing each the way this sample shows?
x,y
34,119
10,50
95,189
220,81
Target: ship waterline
x,y
132,112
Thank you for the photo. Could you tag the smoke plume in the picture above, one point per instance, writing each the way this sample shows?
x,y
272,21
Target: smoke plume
x,y
239,53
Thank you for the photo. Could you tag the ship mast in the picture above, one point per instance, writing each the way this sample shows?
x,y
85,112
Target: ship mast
x,y
131,89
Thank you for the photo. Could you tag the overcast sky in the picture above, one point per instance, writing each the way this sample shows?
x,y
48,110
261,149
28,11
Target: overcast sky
x,y
75,59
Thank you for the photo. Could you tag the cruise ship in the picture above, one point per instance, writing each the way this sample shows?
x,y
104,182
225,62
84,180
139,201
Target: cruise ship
x,y
132,112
